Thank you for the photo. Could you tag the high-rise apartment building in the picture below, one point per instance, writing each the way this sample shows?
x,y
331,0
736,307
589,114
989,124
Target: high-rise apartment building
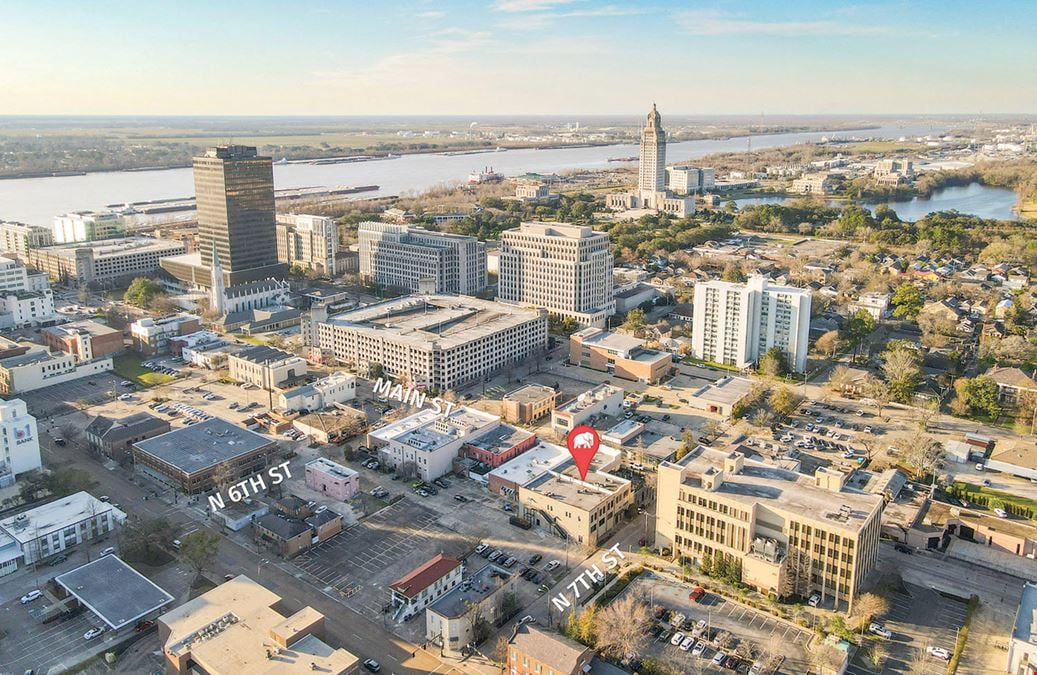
x,y
792,534
19,238
308,241
566,269
651,176
735,324
416,258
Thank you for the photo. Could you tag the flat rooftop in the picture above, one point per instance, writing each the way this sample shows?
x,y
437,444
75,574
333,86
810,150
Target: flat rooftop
x,y
114,591
530,393
532,463
589,398
1026,618
501,439
264,355
203,445
56,515
120,246
84,327
619,343
473,590
779,489
429,430
727,390
327,466
564,485
448,320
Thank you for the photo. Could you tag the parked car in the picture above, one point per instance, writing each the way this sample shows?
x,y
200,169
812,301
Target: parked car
x,y
687,643
480,548
880,630
460,498
372,665
143,626
902,548
677,638
699,649
510,562
719,658
815,599
697,594
535,558
92,633
58,560
108,551
30,596
552,566
938,653
495,555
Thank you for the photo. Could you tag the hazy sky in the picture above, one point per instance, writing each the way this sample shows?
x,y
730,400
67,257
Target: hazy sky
x,y
346,57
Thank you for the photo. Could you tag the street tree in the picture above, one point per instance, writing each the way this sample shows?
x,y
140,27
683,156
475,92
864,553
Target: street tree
x,y
907,301
868,606
829,344
199,548
839,379
922,453
622,628
902,366
774,362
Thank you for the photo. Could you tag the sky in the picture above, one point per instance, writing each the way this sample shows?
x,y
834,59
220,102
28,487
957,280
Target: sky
x,y
407,57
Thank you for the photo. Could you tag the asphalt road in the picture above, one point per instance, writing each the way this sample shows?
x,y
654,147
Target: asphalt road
x,y
344,627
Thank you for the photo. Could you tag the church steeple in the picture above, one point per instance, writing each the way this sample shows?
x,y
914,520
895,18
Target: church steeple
x,y
217,299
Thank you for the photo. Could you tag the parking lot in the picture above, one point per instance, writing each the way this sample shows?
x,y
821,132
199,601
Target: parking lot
x,y
762,631
918,618
61,398
29,643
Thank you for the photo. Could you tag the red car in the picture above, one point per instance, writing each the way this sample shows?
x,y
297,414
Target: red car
x,y
143,626
697,594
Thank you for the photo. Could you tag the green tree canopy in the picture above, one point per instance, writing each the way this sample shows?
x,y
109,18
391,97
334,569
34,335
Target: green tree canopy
x,y
142,291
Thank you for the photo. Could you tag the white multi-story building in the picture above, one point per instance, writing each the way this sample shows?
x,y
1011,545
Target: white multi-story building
x,y
684,180
266,367
19,238
308,241
565,269
153,335
87,226
104,261
735,324
21,445
427,443
337,387
439,341
58,525
26,308
411,257
39,368
15,276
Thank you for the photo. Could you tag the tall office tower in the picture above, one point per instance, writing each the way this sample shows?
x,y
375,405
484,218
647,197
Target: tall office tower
x,y
566,269
735,324
652,177
417,259
234,191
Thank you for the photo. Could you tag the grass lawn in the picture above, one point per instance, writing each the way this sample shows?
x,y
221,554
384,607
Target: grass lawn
x,y
252,340
1006,497
128,366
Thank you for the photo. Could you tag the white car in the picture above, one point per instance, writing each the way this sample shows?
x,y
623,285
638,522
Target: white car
x,y
687,643
699,649
677,638
92,633
787,438
719,658
815,599
938,653
880,630
124,397
30,596
1001,513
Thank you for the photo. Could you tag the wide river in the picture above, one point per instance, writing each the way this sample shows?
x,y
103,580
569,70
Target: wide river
x,y
38,200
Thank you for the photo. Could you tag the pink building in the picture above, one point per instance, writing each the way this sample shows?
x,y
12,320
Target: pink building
x,y
332,479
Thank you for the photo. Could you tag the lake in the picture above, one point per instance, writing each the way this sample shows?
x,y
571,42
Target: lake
x,y
975,199
38,200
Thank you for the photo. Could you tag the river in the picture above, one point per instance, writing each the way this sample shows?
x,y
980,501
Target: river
x,y
38,200
974,199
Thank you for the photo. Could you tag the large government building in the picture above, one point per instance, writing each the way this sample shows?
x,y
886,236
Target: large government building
x,y
566,269
793,534
440,341
418,259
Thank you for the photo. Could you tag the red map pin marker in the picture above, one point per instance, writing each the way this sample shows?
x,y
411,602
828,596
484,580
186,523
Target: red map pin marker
x,y
583,444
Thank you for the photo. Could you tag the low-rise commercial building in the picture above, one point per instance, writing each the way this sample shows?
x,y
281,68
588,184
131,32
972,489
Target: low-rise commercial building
x,y
533,650
332,479
47,530
114,592
19,309
235,629
338,387
583,511
603,399
528,403
152,336
21,443
722,396
427,443
115,437
792,534
424,585
38,368
331,427
446,621
1022,647
266,367
506,479
499,445
440,341
193,459
106,262
15,276
290,535
86,340
620,354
